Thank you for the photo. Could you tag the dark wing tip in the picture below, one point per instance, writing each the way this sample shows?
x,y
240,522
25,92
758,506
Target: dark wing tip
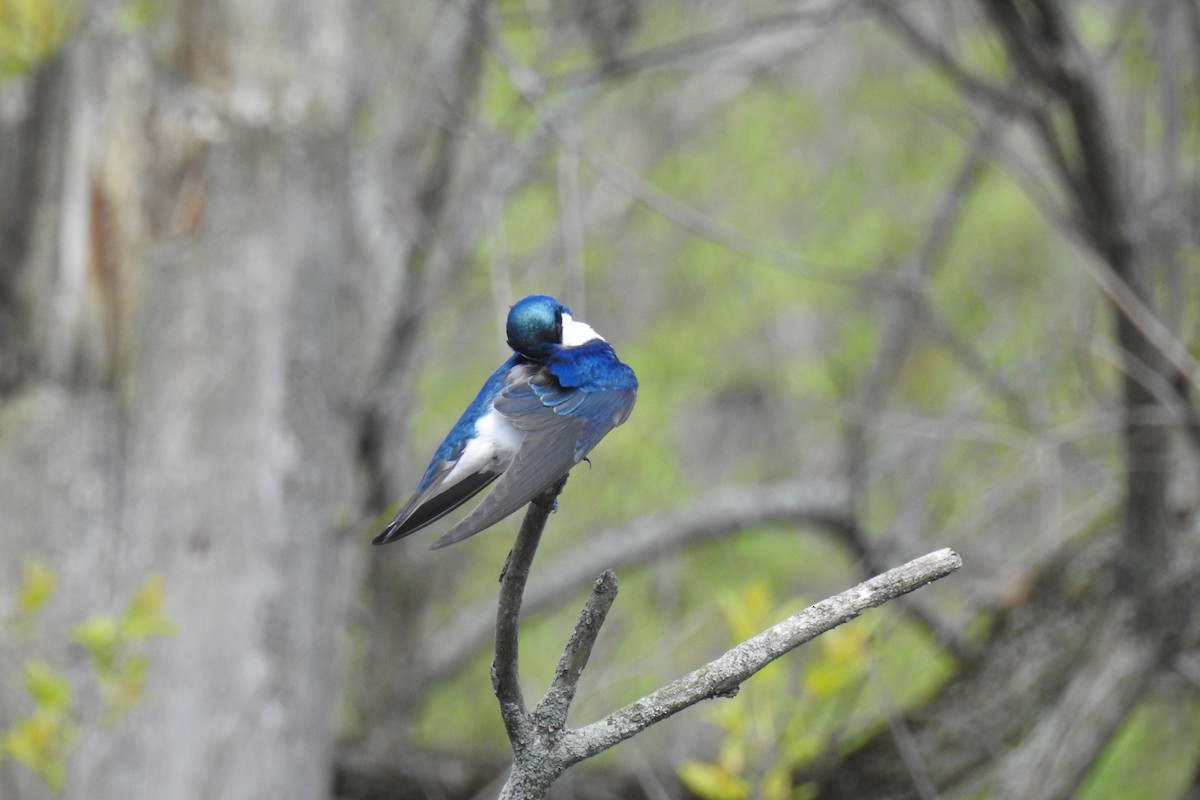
x,y
398,528
389,534
421,512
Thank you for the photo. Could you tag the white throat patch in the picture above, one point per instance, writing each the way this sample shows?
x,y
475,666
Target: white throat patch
x,y
576,333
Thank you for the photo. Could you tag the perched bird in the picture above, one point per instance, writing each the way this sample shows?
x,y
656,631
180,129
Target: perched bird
x,y
537,416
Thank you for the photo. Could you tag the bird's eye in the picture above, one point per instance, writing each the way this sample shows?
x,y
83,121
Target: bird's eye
x,y
558,328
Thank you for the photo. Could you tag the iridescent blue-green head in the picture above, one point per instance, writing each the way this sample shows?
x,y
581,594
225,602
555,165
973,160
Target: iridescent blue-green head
x,y
539,321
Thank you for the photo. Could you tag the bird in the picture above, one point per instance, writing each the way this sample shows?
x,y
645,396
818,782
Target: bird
x,y
537,416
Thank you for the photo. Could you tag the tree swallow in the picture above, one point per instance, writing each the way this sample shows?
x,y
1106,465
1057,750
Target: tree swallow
x,y
537,416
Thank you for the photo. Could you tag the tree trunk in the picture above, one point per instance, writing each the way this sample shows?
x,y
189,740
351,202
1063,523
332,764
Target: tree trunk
x,y
193,304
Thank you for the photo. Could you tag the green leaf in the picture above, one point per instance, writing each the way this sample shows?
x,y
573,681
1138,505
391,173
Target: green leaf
x,y
747,612
805,791
37,587
32,31
777,783
711,782
42,741
842,662
49,688
801,748
824,679
99,636
124,689
144,618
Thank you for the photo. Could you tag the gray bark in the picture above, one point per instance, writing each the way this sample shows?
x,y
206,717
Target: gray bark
x,y
197,286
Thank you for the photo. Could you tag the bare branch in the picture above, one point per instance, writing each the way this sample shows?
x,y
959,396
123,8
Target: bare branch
x,y
532,88
703,46
505,673
995,95
1059,752
900,323
432,202
723,676
551,712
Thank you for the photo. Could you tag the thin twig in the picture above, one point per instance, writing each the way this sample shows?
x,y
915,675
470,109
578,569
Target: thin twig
x,y
701,47
532,87
551,712
723,676
973,85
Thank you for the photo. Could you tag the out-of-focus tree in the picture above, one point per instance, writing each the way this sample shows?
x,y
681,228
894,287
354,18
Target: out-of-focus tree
x,y
216,224
1090,109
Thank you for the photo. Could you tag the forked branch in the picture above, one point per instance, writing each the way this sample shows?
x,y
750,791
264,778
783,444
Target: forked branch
x,y
543,746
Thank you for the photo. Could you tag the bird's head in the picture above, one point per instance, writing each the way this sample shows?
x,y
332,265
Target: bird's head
x,y
539,321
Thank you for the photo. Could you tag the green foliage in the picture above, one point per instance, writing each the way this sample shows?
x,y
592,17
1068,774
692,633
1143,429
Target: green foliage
x,y
38,585
113,643
1154,754
765,740
42,739
785,717
32,31
716,781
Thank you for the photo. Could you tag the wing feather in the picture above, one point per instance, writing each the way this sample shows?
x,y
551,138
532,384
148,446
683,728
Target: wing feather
x,y
561,425
538,463
433,504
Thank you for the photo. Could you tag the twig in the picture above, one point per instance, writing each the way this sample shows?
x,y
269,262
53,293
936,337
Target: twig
x,y
551,712
700,47
724,676
973,85
532,88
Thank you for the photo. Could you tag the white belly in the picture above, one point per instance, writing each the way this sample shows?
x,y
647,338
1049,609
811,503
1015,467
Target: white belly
x,y
492,450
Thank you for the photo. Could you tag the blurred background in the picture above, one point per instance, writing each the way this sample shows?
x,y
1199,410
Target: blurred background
x,y
894,276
